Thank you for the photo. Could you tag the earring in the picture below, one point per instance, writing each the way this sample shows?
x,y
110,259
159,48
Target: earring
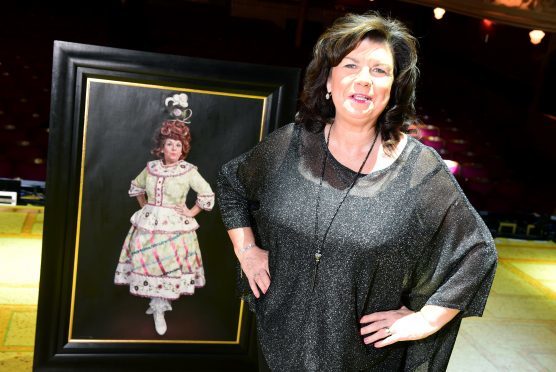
x,y
328,95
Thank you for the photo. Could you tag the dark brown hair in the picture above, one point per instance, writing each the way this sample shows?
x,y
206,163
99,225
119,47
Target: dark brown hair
x,y
172,129
334,44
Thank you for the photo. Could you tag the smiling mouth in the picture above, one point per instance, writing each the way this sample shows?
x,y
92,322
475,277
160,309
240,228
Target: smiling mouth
x,y
361,98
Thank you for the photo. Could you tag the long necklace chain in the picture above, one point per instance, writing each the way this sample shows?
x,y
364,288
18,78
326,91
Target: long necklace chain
x,y
320,247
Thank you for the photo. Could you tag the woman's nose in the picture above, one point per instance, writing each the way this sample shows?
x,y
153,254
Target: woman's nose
x,y
364,77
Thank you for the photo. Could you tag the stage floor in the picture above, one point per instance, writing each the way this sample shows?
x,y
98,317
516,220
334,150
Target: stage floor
x,y
518,329
516,333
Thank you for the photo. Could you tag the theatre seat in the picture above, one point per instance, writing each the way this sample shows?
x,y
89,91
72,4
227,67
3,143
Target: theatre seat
x,y
24,152
429,130
31,171
9,135
436,143
458,145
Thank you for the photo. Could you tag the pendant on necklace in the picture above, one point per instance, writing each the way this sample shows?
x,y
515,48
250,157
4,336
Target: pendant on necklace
x,y
318,255
317,260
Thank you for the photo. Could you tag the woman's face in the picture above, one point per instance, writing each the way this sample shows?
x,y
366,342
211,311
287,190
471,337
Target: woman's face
x,y
361,83
172,151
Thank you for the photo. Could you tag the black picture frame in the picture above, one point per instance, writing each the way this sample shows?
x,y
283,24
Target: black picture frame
x,y
105,104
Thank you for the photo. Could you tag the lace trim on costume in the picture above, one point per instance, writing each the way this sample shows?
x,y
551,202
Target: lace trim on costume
x,y
157,168
158,286
135,190
165,220
205,201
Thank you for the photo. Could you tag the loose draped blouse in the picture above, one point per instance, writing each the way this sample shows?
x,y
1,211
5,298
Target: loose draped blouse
x,y
405,235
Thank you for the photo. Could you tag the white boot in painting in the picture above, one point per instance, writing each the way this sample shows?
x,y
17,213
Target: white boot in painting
x,y
159,322
157,307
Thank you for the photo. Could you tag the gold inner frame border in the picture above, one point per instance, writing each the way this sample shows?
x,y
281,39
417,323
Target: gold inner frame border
x,y
80,202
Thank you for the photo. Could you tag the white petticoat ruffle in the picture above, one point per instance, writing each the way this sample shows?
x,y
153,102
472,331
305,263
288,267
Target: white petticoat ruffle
x,y
158,286
162,219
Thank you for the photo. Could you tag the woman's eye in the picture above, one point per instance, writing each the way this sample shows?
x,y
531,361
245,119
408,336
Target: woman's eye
x,y
351,65
379,71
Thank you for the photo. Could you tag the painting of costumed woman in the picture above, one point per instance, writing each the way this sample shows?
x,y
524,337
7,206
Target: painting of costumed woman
x,y
161,259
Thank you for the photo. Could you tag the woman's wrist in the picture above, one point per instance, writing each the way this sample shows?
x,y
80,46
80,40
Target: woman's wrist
x,y
245,248
241,237
437,316
195,210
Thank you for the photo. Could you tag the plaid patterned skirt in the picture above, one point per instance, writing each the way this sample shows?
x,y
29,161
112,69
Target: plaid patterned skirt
x,y
160,265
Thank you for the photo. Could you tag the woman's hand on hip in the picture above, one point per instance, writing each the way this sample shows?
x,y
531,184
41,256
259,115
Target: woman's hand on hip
x,y
184,211
254,263
387,327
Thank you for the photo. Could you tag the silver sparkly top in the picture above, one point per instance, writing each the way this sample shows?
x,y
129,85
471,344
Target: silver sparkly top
x,y
405,235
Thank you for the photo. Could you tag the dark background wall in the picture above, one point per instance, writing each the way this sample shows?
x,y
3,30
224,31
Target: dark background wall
x,y
498,89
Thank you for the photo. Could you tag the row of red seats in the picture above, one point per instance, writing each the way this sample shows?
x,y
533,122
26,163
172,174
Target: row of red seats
x,y
483,174
28,171
476,166
24,108
10,135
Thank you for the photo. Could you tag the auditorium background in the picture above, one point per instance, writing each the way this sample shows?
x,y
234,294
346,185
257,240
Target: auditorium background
x,y
486,101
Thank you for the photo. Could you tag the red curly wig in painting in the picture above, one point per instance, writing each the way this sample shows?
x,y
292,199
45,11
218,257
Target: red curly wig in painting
x,y
172,129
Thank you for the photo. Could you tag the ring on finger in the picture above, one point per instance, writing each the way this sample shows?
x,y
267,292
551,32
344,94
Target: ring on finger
x,y
388,331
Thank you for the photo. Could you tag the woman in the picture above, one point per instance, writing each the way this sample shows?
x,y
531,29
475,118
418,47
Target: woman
x,y
160,257
359,248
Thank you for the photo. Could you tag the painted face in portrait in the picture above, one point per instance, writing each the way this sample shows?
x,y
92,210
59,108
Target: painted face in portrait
x,y
362,81
173,150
